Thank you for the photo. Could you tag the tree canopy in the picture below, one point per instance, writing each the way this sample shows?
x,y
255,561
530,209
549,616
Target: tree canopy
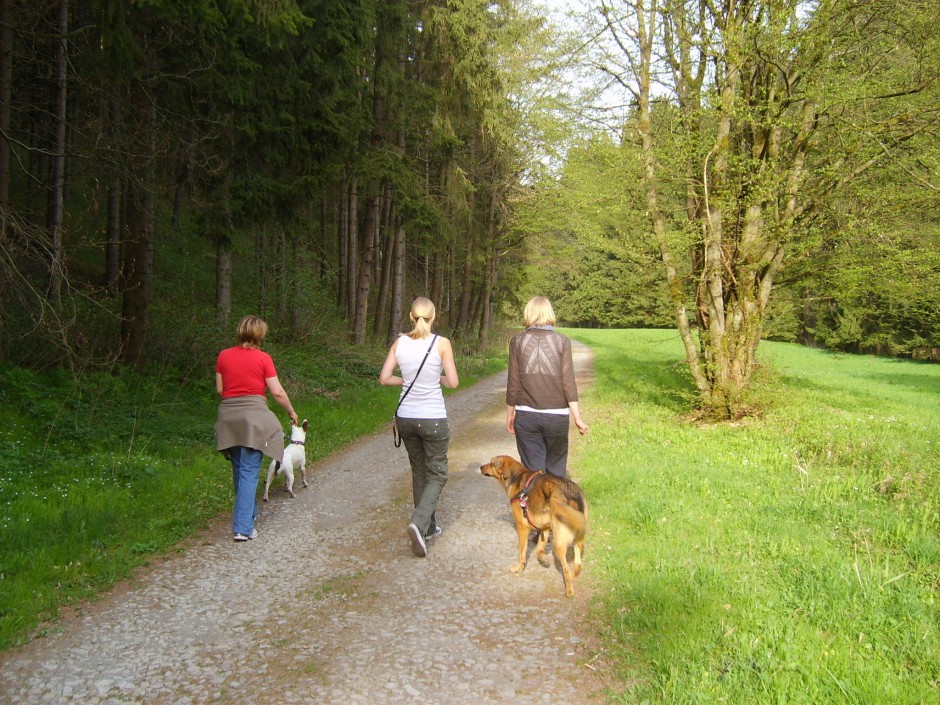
x,y
737,170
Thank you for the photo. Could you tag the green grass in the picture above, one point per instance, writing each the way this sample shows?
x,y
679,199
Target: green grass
x,y
794,558
101,472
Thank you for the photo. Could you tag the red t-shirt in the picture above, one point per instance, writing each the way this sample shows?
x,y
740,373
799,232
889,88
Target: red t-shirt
x,y
244,371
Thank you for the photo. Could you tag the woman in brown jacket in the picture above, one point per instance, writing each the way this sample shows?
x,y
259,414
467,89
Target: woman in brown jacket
x,y
541,392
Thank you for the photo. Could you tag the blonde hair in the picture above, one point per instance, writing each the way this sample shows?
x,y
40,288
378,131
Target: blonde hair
x,y
422,315
539,312
251,331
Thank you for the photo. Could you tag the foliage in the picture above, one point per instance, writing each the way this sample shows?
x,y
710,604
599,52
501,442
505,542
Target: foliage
x,y
766,135
793,558
587,242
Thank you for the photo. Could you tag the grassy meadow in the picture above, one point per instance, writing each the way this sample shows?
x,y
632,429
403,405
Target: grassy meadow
x,y
793,558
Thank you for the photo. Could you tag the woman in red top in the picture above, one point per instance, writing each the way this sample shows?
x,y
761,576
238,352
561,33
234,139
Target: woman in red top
x,y
246,429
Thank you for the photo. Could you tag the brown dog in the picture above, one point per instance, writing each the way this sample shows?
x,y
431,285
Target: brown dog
x,y
546,503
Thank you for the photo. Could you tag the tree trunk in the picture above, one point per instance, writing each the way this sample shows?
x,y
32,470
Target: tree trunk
x,y
466,290
385,282
369,240
6,94
342,256
114,225
489,280
474,308
437,282
56,211
323,247
352,249
398,286
282,277
137,269
223,280
112,251
650,181
261,254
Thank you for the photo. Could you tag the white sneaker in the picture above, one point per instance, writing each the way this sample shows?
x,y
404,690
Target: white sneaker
x,y
249,537
433,534
417,541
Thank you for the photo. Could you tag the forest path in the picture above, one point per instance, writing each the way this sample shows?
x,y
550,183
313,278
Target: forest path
x,y
330,606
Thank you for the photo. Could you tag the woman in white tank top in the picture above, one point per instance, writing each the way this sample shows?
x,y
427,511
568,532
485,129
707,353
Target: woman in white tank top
x,y
422,417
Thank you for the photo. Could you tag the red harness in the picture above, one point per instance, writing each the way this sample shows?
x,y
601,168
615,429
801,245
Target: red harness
x,y
523,498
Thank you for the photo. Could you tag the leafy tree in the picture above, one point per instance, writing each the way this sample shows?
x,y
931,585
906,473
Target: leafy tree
x,y
753,118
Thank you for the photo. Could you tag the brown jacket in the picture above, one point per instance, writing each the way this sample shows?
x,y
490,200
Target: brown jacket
x,y
247,421
541,371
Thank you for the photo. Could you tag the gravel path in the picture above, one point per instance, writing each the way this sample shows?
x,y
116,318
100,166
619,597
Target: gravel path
x,y
329,605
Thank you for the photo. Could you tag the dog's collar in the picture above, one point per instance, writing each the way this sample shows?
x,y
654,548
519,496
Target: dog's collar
x,y
297,443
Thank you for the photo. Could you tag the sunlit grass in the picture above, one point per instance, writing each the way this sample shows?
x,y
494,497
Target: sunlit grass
x,y
794,558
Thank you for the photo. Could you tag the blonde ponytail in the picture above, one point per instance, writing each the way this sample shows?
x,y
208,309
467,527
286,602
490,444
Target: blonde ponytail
x,y
422,315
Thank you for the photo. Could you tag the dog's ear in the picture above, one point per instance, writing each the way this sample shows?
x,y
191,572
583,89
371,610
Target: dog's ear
x,y
304,425
506,464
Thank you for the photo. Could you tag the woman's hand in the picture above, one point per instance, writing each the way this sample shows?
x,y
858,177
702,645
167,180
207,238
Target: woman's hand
x,y
575,409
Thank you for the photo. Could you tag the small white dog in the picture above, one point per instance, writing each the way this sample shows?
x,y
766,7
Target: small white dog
x,y
295,458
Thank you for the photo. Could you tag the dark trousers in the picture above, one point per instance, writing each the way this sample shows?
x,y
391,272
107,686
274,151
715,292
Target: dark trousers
x,y
426,441
542,441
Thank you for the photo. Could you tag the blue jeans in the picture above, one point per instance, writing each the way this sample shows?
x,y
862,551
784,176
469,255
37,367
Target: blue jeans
x,y
246,468
426,441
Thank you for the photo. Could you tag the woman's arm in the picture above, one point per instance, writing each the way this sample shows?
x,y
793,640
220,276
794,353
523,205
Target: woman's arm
x,y
387,377
218,383
280,396
575,409
449,379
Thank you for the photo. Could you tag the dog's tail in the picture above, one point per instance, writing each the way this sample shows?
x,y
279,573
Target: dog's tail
x,y
574,518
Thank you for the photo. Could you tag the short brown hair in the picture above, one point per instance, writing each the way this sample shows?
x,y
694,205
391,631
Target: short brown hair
x,y
251,331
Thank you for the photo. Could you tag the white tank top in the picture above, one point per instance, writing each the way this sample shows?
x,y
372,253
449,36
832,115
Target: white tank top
x,y
425,400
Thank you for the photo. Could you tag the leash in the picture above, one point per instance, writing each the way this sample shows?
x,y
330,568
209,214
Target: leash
x,y
395,435
523,498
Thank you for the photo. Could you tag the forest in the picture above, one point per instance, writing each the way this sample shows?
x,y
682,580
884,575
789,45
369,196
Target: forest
x,y
736,170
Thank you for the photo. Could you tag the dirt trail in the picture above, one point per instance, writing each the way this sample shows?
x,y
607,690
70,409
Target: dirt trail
x,y
329,605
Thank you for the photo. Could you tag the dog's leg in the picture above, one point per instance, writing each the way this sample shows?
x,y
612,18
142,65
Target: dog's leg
x,y
267,485
522,529
289,475
561,540
578,550
303,468
540,545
